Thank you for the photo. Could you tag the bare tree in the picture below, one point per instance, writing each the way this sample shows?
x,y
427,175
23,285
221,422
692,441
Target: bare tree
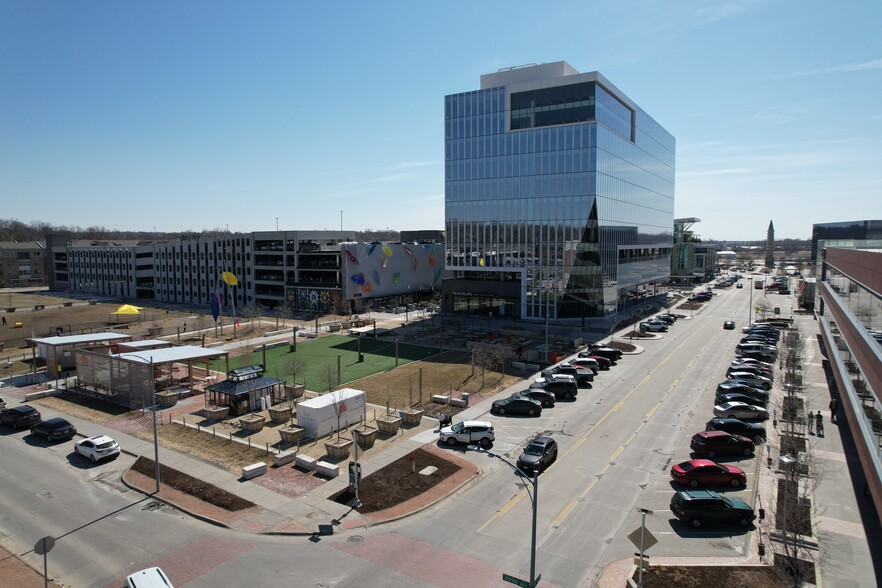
x,y
339,404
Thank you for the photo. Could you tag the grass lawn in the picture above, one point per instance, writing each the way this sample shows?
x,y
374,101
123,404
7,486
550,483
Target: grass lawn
x,y
318,356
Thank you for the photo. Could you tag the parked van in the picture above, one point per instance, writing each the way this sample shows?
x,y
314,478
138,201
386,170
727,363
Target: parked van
x,y
148,578
743,348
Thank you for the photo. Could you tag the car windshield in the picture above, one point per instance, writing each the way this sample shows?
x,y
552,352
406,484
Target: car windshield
x,y
105,445
686,466
457,427
534,449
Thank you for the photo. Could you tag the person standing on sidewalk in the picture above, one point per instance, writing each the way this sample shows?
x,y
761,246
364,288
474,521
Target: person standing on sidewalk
x,y
834,404
810,421
819,424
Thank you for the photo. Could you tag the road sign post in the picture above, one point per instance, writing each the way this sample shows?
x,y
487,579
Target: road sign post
x,y
643,540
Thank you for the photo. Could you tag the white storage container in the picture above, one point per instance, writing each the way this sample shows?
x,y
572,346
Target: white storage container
x,y
319,417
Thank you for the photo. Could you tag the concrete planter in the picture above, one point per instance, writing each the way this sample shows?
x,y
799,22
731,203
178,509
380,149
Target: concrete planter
x,y
389,424
411,417
365,435
292,435
166,398
216,414
339,449
252,423
280,414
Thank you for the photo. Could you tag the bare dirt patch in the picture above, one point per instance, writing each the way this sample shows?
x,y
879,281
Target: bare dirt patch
x,y
81,406
398,482
191,486
704,576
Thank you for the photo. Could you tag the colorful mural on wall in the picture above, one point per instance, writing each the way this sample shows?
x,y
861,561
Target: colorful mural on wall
x,y
313,299
373,270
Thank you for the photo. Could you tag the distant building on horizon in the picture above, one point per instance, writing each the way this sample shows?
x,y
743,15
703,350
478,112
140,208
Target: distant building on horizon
x,y
559,198
22,264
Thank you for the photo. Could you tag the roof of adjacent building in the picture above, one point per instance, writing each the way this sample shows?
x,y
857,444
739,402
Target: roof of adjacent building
x,y
239,388
81,339
172,354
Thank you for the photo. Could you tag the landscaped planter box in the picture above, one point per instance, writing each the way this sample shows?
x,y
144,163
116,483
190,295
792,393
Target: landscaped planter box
x,y
252,423
411,417
339,449
280,414
217,413
166,398
296,391
365,435
389,424
291,435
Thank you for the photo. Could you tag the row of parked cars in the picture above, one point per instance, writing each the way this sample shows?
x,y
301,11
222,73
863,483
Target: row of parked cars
x,y
57,429
740,402
659,323
561,381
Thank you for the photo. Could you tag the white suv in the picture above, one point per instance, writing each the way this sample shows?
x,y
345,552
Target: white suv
x,y
470,432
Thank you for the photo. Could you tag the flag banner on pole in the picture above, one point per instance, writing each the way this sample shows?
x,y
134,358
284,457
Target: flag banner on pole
x,y
230,278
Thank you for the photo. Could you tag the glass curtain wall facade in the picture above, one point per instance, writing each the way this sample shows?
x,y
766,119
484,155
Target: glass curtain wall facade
x,y
561,185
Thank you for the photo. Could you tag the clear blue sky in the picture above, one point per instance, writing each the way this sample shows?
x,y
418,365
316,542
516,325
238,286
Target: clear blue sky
x,y
195,115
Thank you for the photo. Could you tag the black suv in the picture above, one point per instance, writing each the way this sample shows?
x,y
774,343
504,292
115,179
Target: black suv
x,y
738,427
566,389
539,454
611,353
20,417
698,506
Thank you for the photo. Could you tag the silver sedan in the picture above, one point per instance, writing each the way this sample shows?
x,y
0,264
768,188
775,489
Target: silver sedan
x,y
740,410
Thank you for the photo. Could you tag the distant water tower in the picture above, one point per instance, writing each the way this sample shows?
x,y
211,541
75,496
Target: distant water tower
x,y
770,246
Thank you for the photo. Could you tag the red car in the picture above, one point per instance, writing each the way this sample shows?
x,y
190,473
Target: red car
x,y
603,362
704,472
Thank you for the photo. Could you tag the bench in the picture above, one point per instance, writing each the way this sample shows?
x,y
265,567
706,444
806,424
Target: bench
x,y
284,458
326,469
306,462
253,470
439,398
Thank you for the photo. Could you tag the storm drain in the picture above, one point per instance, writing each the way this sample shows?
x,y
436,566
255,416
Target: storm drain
x,y
355,539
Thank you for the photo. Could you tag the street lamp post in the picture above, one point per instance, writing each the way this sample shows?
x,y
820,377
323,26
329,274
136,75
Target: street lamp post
x,y
153,400
534,502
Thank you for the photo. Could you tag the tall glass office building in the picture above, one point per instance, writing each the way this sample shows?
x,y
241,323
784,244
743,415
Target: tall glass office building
x,y
559,196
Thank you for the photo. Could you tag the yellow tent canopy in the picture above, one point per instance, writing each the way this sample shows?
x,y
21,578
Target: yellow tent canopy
x,y
127,309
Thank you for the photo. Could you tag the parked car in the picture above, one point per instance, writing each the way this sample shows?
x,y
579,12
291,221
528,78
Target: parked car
x,y
751,379
586,362
562,386
655,326
606,351
739,285
56,429
2,403
751,361
699,506
516,404
540,453
544,397
740,410
148,578
756,370
750,349
604,362
729,325
583,376
20,417
764,356
673,317
746,399
704,472
736,387
469,432
714,443
97,448
668,319
738,427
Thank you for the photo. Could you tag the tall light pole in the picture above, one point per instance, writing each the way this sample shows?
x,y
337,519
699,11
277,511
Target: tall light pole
x,y
534,502
153,400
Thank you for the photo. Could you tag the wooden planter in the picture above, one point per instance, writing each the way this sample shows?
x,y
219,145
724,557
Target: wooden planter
x,y
166,398
296,391
252,423
280,414
365,435
216,414
292,434
389,424
339,449
411,417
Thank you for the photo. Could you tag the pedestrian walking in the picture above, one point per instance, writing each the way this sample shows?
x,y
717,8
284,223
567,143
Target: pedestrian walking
x,y
834,404
819,424
4,320
810,421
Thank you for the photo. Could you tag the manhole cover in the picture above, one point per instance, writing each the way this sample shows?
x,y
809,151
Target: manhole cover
x,y
311,515
355,539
